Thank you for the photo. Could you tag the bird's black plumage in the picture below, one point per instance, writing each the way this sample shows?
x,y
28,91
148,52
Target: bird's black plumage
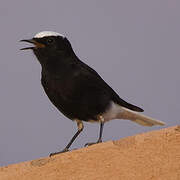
x,y
73,87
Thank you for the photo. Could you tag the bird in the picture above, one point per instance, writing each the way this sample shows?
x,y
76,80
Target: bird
x,y
77,90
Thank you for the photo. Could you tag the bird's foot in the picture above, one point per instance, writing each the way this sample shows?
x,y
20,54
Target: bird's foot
x,y
92,143
63,151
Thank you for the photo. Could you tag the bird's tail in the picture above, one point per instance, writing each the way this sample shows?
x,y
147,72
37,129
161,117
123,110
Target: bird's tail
x,y
139,118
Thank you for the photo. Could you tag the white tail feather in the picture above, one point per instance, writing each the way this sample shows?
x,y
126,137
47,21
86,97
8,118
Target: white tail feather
x,y
138,118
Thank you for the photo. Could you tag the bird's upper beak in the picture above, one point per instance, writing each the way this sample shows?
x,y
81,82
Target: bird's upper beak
x,y
32,41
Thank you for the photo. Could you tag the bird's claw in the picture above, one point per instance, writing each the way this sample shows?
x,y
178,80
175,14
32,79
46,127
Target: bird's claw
x,y
55,153
92,143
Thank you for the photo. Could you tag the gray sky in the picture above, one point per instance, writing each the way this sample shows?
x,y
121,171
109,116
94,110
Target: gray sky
x,y
134,46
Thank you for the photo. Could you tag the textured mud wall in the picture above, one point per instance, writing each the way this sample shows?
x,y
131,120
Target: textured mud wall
x,y
151,156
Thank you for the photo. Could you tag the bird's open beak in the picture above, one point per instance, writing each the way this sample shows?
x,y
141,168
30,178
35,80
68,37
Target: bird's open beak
x,y
32,41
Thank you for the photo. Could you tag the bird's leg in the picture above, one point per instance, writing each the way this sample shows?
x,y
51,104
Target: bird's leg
x,y
80,128
101,119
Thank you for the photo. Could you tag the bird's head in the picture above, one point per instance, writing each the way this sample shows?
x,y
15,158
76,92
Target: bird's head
x,y
48,43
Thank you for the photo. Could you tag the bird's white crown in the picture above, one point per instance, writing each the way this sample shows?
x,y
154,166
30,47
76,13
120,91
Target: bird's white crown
x,y
47,33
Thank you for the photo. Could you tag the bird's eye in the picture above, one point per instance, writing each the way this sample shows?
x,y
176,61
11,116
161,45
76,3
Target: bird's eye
x,y
50,40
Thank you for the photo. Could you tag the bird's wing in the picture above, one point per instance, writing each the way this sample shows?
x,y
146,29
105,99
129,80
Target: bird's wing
x,y
96,78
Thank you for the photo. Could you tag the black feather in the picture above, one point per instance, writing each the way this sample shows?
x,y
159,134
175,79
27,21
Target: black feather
x,y
72,86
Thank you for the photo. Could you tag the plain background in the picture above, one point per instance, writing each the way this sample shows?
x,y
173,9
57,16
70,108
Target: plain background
x,y
133,44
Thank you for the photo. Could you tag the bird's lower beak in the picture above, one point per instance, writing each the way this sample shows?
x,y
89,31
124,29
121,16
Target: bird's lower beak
x,y
32,41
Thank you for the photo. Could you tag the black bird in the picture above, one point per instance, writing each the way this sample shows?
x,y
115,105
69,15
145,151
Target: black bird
x,y
76,89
